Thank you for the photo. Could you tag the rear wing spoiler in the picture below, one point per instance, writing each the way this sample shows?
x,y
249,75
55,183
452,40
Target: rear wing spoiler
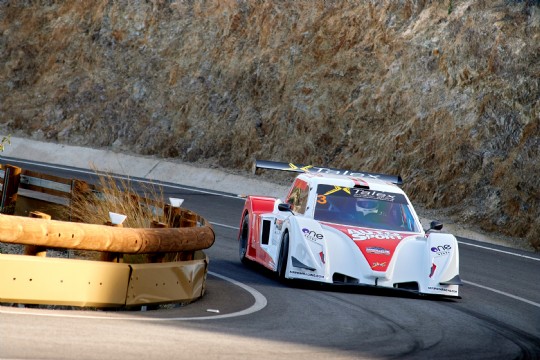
x,y
276,165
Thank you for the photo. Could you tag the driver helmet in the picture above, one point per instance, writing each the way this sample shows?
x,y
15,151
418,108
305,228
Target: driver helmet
x,y
366,206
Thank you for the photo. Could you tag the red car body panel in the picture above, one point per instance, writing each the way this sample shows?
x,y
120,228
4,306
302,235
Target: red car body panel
x,y
256,205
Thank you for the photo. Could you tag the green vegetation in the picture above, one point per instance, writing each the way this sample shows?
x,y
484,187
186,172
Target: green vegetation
x,y
5,140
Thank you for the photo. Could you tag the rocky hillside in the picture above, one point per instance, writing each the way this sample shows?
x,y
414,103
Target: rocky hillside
x,y
444,92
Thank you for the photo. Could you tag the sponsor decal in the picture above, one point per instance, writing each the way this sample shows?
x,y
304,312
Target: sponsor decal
x,y
378,264
442,289
375,195
321,254
321,170
361,234
341,172
378,250
303,168
336,189
279,224
312,235
441,249
318,276
432,271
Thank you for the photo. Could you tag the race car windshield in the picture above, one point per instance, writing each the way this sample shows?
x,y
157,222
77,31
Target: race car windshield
x,y
364,208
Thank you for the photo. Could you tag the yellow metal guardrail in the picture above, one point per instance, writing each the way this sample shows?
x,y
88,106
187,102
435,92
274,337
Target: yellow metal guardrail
x,y
111,282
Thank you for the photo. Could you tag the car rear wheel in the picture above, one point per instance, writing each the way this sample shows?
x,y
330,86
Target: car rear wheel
x,y
283,255
243,240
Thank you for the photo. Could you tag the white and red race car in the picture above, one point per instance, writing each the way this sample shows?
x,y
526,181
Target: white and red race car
x,y
344,227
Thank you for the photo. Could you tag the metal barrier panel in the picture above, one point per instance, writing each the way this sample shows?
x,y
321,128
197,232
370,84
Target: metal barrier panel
x,y
86,283
37,280
167,282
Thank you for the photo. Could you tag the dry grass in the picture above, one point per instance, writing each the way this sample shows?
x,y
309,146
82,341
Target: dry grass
x,y
119,196
144,207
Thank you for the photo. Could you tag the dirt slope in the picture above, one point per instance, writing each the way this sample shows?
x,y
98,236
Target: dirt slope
x,y
446,93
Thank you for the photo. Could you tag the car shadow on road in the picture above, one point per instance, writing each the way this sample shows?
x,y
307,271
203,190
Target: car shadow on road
x,y
368,290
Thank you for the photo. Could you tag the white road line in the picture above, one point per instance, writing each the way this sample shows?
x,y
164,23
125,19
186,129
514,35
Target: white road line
x,y
260,303
225,226
503,293
260,299
501,251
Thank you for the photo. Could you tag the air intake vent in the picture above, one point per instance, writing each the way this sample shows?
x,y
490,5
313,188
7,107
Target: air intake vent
x,y
338,278
413,285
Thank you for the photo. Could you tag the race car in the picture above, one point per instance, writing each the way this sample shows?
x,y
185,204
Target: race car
x,y
339,226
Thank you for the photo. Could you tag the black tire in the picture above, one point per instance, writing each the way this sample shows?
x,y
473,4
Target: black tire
x,y
243,240
283,255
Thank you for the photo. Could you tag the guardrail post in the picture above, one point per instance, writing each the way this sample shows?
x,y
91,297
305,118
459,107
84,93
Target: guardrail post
x,y
156,258
189,219
173,215
34,250
8,200
178,217
112,256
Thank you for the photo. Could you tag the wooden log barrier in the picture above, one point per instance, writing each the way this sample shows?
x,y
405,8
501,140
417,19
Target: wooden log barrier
x,y
82,236
178,217
110,256
33,249
156,258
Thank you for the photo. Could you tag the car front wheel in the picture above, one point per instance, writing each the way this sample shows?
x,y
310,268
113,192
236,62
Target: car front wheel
x,y
283,255
243,240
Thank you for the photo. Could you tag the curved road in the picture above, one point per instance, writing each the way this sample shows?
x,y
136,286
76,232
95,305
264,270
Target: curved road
x,y
247,312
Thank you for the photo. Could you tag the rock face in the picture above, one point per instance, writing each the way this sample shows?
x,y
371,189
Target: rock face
x,y
446,93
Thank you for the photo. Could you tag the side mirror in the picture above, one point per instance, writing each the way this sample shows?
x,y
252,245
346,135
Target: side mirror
x,y
284,207
434,225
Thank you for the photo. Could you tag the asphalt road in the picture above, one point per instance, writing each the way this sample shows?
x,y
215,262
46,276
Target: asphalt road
x,y
498,316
